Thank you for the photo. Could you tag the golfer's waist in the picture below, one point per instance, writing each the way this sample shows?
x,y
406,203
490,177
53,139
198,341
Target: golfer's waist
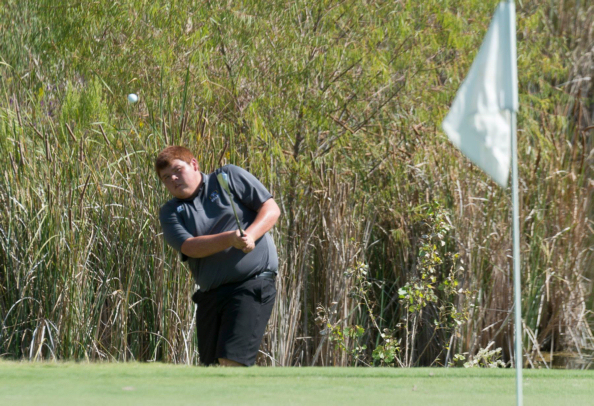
x,y
265,275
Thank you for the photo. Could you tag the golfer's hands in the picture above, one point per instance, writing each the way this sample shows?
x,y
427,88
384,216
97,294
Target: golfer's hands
x,y
245,243
249,242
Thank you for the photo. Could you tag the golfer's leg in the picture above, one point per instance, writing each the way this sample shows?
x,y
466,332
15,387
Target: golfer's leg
x,y
207,328
244,319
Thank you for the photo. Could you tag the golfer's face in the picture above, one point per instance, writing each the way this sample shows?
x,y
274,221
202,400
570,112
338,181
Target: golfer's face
x,y
181,178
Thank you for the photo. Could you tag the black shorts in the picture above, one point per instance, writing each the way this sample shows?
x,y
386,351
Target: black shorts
x,y
232,319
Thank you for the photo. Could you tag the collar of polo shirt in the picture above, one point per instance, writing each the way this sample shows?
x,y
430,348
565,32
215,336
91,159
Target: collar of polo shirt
x,y
199,190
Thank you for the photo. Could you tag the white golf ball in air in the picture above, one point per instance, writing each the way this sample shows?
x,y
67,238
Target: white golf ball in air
x,y
132,98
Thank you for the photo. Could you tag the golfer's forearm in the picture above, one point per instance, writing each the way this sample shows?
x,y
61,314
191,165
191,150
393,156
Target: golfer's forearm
x,y
205,245
265,220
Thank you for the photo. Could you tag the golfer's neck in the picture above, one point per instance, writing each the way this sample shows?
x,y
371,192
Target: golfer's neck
x,y
199,185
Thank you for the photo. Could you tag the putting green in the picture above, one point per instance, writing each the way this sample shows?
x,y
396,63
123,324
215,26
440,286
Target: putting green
x,y
161,384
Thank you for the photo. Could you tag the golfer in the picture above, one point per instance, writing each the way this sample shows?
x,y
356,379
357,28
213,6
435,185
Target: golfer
x,y
235,274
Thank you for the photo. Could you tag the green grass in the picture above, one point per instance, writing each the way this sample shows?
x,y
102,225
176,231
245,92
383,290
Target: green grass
x,y
157,384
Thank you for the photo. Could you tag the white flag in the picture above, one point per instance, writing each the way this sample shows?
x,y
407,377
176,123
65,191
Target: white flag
x,y
478,122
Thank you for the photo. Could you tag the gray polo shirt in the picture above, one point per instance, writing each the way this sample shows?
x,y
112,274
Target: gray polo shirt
x,y
210,212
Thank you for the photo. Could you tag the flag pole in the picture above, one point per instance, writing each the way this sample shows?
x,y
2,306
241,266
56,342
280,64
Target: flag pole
x,y
519,358
478,125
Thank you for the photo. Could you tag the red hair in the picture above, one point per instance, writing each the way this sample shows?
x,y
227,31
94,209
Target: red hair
x,y
169,154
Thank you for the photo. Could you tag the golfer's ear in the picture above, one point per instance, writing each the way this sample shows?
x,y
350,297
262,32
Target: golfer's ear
x,y
194,164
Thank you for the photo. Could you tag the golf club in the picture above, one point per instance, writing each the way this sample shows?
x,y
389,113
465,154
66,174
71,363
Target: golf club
x,y
224,182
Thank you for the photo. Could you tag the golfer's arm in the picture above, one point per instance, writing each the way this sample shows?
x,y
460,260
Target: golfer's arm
x,y
265,219
205,245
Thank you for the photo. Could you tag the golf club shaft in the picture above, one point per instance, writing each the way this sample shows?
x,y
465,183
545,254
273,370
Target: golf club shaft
x,y
236,218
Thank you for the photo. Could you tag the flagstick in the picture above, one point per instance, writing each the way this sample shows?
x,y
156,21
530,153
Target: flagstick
x,y
519,358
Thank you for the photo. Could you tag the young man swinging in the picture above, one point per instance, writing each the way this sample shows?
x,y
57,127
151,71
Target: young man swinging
x,y
235,273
